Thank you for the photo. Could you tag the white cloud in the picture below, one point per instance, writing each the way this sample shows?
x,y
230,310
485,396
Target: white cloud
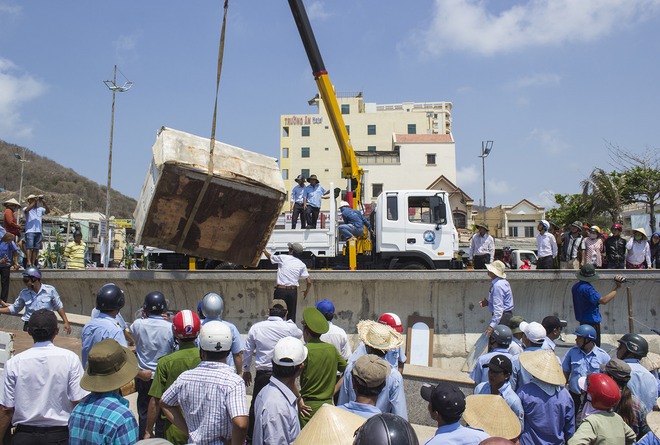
x,y
466,176
8,8
15,90
316,11
535,80
547,141
497,187
126,48
468,25
546,199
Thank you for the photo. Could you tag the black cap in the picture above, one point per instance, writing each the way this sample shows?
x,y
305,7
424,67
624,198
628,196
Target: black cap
x,y
551,323
500,363
446,398
43,323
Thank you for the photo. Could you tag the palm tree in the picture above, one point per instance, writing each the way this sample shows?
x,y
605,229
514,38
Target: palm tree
x,y
600,191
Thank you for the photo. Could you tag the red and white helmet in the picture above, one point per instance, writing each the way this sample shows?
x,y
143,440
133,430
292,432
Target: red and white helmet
x,y
186,324
392,320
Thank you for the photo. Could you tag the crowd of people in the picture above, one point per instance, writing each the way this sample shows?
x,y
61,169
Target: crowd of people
x,y
576,245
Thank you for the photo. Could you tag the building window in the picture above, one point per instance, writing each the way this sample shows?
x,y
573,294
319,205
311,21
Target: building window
x,y
285,132
285,152
285,173
430,159
371,129
412,129
513,232
376,189
345,108
304,173
460,220
348,130
529,231
304,131
304,152
371,148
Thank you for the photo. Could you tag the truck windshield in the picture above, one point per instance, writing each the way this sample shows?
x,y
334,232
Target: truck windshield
x,y
426,210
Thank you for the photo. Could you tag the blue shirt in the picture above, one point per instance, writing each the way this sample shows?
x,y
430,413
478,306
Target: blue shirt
x,y
393,356
361,409
585,303
103,418
33,219
549,419
46,298
500,299
236,340
297,194
7,251
649,439
457,434
276,415
520,376
153,339
642,383
480,374
100,328
509,396
578,364
354,218
391,399
314,194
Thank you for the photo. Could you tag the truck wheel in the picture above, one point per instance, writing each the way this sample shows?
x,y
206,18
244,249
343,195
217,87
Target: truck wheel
x,y
413,266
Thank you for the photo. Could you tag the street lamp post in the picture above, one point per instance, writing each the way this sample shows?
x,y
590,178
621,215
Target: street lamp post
x,y
112,86
486,147
20,187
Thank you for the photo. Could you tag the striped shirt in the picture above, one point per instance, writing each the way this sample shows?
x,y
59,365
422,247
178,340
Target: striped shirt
x,y
210,396
102,418
75,254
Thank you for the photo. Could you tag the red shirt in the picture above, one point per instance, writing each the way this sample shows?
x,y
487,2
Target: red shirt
x,y
10,223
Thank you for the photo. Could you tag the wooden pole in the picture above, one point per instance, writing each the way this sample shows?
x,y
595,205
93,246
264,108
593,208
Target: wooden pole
x,y
631,323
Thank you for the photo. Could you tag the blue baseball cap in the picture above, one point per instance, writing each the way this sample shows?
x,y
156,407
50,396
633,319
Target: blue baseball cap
x,y
325,306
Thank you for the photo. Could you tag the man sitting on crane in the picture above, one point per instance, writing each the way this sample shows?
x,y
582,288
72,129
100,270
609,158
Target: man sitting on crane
x,y
354,222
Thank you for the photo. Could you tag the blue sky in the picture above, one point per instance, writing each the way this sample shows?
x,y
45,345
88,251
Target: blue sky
x,y
552,82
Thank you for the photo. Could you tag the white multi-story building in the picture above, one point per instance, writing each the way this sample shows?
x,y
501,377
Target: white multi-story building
x,y
399,146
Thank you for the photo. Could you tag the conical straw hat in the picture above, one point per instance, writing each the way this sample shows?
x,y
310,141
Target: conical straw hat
x,y
653,421
330,426
492,414
651,361
543,365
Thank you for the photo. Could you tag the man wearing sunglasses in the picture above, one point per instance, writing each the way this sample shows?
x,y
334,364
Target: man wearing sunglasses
x,y
35,296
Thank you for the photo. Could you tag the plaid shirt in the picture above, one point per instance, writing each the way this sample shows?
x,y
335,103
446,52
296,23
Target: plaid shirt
x,y
210,396
102,418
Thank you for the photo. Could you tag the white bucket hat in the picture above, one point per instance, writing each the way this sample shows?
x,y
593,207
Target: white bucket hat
x,y
498,268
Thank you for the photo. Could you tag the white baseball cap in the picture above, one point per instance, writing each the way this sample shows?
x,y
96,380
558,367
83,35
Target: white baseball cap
x,y
215,336
534,331
289,351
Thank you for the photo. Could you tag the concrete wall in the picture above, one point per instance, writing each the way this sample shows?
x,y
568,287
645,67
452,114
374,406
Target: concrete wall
x,y
451,297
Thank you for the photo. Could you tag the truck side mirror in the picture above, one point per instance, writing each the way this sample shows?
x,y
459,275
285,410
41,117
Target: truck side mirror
x,y
438,211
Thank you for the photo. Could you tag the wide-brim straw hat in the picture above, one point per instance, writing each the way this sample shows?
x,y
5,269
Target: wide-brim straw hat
x,y
31,197
330,426
653,421
378,335
492,414
651,361
543,365
11,202
109,367
498,268
642,232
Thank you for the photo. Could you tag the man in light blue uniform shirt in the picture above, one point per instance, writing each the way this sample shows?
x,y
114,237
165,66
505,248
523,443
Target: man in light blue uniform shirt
x,y
109,300
213,307
500,298
312,197
369,375
153,340
297,207
498,343
446,406
499,372
533,337
632,348
583,359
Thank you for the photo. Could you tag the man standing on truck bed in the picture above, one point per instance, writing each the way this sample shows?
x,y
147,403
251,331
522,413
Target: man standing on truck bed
x,y
297,203
312,197
289,272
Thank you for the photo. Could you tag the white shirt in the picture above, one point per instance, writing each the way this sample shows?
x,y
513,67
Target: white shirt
x,y
289,269
41,385
337,337
637,252
262,338
546,245
482,245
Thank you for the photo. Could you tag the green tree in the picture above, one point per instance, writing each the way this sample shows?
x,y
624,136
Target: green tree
x,y
601,194
570,208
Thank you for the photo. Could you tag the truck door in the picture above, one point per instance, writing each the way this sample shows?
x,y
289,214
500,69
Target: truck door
x,y
428,226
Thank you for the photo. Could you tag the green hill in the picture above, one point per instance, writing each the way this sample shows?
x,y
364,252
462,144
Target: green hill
x,y
62,187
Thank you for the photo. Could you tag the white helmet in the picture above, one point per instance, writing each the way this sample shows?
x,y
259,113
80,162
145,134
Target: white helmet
x,y
213,305
343,204
215,336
